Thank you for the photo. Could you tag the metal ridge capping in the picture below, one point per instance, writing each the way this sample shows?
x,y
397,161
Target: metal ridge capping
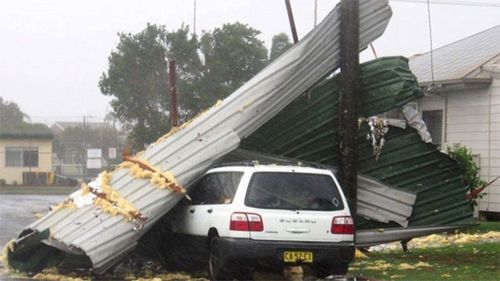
x,y
103,236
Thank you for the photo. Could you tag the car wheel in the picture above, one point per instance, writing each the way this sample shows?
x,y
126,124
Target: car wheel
x,y
325,270
216,270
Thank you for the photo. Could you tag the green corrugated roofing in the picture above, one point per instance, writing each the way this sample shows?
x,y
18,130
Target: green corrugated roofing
x,y
410,164
25,131
307,130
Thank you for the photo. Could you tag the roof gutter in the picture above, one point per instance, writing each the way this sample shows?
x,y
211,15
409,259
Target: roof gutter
x,y
451,85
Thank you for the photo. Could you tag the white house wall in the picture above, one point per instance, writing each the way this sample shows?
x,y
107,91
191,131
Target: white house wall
x,y
491,170
473,119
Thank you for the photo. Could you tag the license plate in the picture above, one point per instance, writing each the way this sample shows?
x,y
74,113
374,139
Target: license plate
x,y
297,256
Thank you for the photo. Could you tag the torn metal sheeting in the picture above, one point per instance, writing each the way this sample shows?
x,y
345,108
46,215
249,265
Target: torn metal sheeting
x,y
103,237
381,202
416,122
306,130
372,237
189,150
378,129
376,200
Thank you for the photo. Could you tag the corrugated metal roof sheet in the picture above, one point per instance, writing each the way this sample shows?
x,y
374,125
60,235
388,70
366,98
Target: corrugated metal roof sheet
x,y
371,237
410,164
188,151
306,130
458,59
25,131
383,203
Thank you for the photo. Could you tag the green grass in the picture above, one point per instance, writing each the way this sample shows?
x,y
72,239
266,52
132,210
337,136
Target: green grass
x,y
483,227
41,190
472,261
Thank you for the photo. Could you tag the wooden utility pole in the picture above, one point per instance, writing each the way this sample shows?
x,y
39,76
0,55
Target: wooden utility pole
x,y
349,99
292,21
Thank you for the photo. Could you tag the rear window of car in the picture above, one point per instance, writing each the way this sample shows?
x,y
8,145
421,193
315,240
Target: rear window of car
x,y
293,191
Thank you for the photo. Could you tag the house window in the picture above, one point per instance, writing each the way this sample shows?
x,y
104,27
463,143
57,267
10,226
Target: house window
x,y
21,156
434,121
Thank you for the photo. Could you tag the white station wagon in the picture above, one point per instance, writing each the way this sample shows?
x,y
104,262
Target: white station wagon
x,y
247,215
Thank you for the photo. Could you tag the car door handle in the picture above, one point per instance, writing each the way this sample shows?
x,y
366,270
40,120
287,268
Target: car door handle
x,y
210,211
191,211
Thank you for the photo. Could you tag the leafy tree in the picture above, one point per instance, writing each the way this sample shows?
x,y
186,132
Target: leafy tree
x,y
233,54
183,48
137,79
10,114
471,172
207,70
280,44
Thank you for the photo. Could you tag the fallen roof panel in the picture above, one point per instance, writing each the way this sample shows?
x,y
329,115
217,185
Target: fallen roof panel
x,y
306,130
122,207
372,237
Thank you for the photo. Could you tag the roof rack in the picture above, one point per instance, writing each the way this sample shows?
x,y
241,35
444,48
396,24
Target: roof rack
x,y
253,163
241,163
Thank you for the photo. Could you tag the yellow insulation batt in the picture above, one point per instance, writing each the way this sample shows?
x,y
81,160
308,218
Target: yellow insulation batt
x,y
66,204
9,248
437,240
110,200
57,277
359,255
378,265
113,203
143,170
406,266
440,240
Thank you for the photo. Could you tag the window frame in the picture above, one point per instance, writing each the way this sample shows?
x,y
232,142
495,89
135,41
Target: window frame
x,y
443,126
199,190
25,159
336,190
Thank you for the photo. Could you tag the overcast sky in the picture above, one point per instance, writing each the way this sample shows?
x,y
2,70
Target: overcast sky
x,y
53,52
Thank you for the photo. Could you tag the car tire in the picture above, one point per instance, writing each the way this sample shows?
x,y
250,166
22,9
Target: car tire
x,y
216,270
325,270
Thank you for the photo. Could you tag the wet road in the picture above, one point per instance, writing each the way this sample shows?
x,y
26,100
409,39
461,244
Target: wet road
x,y
19,210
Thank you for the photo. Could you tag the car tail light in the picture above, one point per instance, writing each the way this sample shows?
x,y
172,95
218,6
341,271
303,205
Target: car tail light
x,y
342,225
246,222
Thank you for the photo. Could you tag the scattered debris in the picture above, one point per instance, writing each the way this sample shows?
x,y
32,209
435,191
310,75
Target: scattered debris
x,y
378,265
8,248
360,255
378,129
38,215
475,193
440,240
119,207
416,122
405,266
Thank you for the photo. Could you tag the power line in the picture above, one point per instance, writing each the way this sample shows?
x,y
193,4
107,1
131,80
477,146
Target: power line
x,y
194,17
454,3
315,12
430,39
